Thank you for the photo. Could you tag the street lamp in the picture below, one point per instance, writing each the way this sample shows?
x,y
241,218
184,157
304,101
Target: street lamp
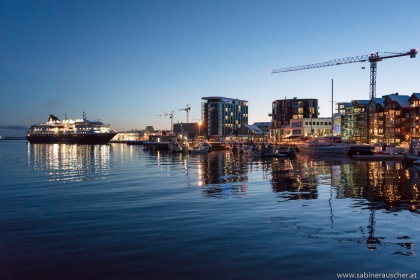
x,y
199,126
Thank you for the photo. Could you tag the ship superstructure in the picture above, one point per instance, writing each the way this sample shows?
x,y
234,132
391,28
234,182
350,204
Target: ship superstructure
x,y
81,131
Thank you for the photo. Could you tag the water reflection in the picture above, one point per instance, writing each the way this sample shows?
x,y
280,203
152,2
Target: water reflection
x,y
69,162
385,185
350,189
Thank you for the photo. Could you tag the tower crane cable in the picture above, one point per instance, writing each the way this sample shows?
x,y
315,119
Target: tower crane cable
x,y
372,58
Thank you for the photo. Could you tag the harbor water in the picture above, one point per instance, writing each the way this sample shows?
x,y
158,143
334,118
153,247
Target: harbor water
x,y
118,212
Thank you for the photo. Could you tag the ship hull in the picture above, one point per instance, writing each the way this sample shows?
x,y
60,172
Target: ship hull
x,y
100,138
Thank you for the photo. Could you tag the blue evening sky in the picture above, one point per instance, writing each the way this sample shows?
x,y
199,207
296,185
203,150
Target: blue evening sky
x,y
125,62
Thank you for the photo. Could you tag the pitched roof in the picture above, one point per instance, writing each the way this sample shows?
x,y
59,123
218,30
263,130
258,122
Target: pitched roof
x,y
400,99
254,128
415,95
379,101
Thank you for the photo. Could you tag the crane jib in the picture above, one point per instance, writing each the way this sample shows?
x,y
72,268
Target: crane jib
x,y
372,58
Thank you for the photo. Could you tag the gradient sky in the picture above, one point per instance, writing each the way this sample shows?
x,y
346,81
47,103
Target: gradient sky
x,y
126,62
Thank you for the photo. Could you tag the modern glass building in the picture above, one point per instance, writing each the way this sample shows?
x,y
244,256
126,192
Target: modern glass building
x,y
223,116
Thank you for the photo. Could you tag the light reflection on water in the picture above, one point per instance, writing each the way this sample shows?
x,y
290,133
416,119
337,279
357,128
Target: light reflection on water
x,y
125,213
64,162
387,184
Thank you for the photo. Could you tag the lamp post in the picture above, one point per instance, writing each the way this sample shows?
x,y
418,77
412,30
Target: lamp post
x,y
199,126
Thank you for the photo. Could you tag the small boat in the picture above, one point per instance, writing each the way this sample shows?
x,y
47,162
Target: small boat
x,y
413,152
245,149
282,151
359,149
220,146
255,151
267,150
280,155
176,148
293,151
201,148
416,163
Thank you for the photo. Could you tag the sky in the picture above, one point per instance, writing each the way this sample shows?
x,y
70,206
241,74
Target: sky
x,y
127,62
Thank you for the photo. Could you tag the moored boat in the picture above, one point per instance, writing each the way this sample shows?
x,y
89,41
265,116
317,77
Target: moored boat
x,y
79,131
246,149
359,149
267,150
324,147
255,151
282,151
200,148
413,153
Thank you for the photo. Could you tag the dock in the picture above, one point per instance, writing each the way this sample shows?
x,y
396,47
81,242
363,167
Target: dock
x,y
147,145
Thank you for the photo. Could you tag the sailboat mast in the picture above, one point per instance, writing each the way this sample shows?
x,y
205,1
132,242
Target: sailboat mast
x,y
332,108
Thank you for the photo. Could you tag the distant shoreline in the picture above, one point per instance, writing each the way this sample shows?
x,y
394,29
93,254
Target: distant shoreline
x,y
9,133
12,138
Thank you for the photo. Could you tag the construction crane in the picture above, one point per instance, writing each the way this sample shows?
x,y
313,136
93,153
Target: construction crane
x,y
171,116
187,109
372,58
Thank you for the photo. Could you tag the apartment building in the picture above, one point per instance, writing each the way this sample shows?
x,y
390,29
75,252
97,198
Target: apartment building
x,y
285,110
393,118
223,116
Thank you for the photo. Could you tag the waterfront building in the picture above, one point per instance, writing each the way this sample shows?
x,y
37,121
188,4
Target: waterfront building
x,y
414,117
285,110
125,136
391,118
307,127
190,130
223,116
376,120
249,132
264,127
354,120
344,109
396,110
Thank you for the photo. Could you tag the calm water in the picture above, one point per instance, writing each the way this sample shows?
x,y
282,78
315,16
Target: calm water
x,y
118,212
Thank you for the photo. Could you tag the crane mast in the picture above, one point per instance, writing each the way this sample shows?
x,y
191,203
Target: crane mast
x,y
372,58
171,116
186,109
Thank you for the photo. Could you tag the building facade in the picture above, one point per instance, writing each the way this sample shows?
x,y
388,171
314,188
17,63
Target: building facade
x,y
414,117
285,110
354,121
393,118
223,116
376,120
307,128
